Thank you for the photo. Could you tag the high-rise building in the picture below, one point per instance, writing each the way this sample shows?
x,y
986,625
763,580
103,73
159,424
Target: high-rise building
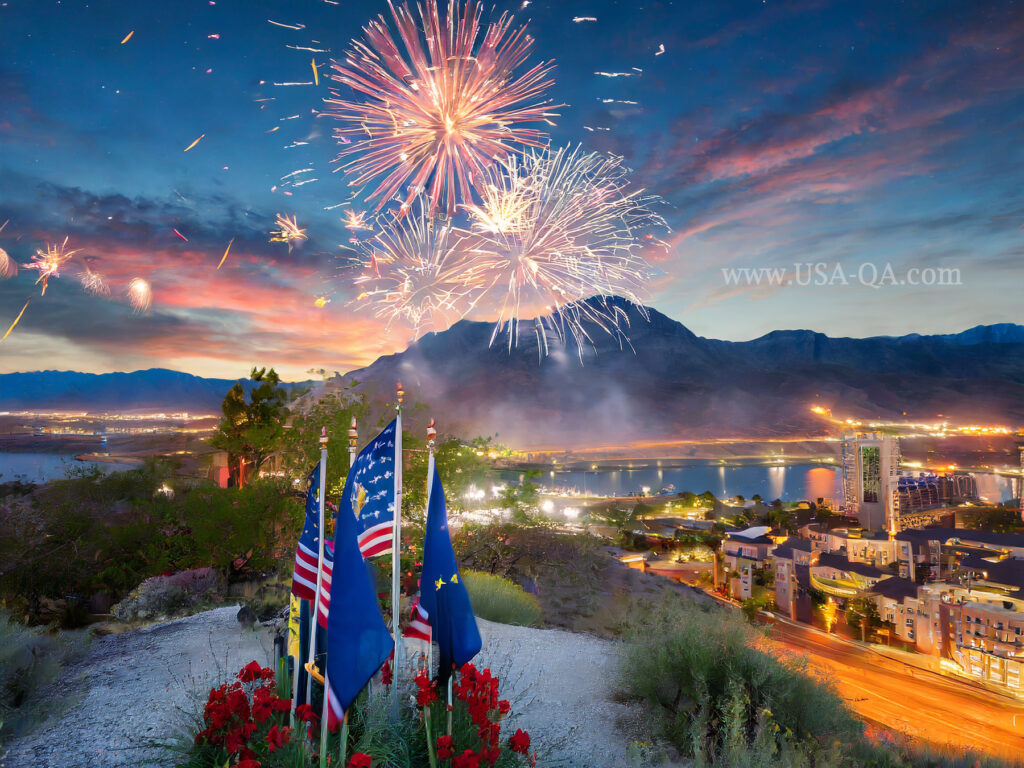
x,y
871,465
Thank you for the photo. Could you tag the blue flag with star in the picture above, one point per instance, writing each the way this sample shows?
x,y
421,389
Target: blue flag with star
x,y
443,596
369,494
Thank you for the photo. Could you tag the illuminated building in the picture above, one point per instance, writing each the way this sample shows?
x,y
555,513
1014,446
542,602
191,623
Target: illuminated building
x,y
871,465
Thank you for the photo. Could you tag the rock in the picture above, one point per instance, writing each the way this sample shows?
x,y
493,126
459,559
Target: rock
x,y
163,597
246,617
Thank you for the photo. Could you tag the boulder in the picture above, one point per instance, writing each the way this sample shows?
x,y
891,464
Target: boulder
x,y
166,597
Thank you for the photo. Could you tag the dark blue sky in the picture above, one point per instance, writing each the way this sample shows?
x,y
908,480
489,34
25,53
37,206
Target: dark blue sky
x,y
858,132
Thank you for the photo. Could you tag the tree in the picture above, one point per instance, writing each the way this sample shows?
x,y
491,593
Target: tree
x,y
252,427
519,500
862,612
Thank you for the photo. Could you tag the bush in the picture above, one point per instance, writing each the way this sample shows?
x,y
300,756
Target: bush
x,y
497,599
724,702
30,660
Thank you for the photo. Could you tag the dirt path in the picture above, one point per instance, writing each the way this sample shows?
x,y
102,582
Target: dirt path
x,y
137,687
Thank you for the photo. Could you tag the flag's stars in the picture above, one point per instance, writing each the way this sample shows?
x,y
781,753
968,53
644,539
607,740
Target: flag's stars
x,y
439,583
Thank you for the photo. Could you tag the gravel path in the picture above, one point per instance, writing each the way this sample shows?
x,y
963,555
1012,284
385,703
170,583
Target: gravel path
x,y
558,684
137,687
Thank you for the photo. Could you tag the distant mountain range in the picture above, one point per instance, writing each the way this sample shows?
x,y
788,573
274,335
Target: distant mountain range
x,y
664,384
153,389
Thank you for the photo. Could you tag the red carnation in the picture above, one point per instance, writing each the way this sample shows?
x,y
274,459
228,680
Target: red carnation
x,y
468,759
250,672
491,755
520,741
360,760
305,713
267,673
249,763
385,673
445,745
504,707
277,738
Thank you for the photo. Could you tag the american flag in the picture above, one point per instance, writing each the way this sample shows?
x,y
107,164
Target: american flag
x,y
370,494
308,552
418,627
324,604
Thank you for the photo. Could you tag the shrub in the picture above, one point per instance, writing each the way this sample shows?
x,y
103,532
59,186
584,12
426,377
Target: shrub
x,y
30,660
725,702
498,599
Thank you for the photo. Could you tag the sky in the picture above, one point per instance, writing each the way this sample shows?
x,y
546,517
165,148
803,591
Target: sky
x,y
856,136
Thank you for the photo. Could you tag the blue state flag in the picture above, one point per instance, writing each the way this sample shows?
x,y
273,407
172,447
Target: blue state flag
x,y
443,596
358,640
369,494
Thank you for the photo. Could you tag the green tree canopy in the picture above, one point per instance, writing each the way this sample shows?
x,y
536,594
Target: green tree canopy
x,y
253,426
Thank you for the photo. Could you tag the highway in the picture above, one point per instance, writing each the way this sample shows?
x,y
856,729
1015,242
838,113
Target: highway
x,y
897,696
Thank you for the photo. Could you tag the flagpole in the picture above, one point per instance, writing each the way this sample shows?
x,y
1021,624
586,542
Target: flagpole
x,y
396,553
298,657
431,435
323,723
315,613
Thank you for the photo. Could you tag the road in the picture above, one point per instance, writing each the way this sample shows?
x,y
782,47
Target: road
x,y
897,696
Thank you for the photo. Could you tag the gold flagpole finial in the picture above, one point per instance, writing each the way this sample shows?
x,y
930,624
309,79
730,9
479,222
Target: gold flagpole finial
x,y
401,393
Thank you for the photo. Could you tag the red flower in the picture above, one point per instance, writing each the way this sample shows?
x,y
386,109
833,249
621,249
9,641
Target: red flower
x,y
504,707
278,738
267,673
491,755
360,760
249,763
444,747
520,741
427,692
385,673
261,710
250,672
305,713
468,759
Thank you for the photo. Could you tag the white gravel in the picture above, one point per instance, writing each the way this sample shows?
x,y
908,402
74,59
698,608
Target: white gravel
x,y
135,688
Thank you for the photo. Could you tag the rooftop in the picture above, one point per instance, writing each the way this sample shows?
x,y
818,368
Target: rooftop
x,y
895,588
839,562
961,534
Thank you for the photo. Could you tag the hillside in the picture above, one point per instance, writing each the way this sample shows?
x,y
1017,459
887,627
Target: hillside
x,y
668,383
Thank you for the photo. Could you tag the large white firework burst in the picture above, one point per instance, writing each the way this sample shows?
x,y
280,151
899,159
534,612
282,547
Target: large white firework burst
x,y
560,230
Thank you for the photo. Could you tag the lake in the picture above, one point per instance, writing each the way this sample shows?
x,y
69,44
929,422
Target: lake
x,y
789,483
40,467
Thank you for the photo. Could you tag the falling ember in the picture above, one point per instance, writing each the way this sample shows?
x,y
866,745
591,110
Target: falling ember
x,y
433,121
321,301
8,266
179,234
222,258
49,262
316,75
186,149
288,231
16,320
140,296
128,37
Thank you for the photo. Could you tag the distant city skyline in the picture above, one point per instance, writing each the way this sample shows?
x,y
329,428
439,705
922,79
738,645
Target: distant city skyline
x,y
844,133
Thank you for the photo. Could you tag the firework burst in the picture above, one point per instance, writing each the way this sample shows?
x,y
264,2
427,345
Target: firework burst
x,y
8,266
416,271
554,230
92,281
49,262
140,295
288,231
433,118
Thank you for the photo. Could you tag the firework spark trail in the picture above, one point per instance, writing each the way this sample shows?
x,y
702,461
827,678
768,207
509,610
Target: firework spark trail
x,y
437,115
288,231
16,320
140,295
414,271
49,262
186,149
555,229
356,220
226,250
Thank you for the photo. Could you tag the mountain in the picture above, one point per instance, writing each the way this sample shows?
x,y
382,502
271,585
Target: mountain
x,y
156,388
666,383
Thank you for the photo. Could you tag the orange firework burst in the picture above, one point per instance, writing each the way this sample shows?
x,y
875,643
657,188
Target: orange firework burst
x,y
8,266
140,295
439,114
288,231
49,262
